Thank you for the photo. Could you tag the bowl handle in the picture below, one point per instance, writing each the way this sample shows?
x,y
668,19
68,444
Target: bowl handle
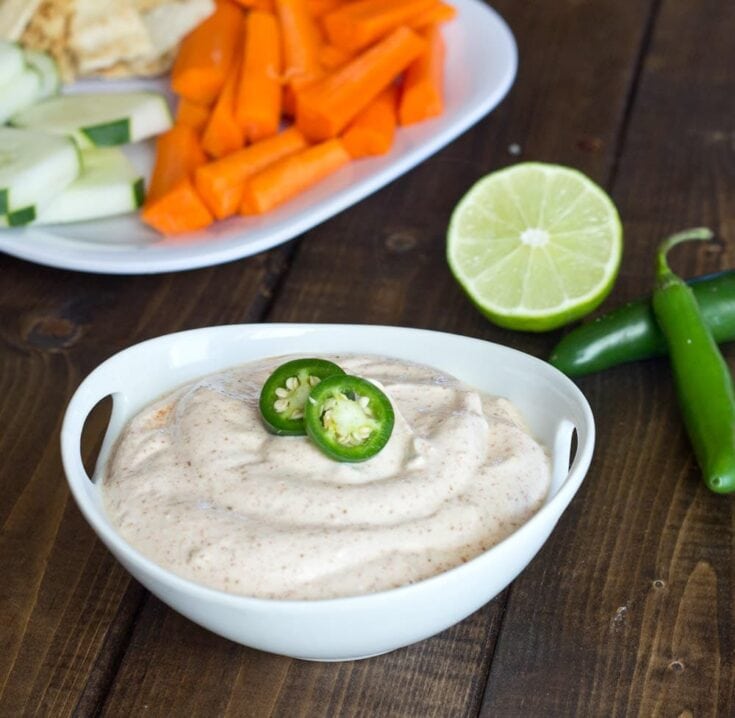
x,y
562,450
92,390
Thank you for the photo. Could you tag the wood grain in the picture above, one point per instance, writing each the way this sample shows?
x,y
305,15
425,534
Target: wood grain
x,y
66,607
383,262
627,610
637,617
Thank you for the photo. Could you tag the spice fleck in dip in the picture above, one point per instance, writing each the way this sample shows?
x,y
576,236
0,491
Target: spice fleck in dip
x,y
198,484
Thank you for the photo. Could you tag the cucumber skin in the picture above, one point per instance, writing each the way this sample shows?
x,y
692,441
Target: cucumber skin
x,y
119,130
111,134
108,186
21,216
139,193
27,213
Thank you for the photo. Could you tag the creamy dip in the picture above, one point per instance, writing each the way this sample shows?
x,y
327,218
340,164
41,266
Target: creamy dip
x,y
200,487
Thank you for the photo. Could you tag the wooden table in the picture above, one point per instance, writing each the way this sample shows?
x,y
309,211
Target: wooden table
x,y
627,610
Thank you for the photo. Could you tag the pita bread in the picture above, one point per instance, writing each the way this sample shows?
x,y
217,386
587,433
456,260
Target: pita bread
x,y
48,31
109,38
139,68
103,32
144,6
14,17
169,23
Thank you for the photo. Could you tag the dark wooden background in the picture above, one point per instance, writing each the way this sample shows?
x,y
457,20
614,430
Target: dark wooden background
x,y
627,610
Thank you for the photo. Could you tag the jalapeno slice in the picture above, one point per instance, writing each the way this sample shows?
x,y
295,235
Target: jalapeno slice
x,y
283,396
348,418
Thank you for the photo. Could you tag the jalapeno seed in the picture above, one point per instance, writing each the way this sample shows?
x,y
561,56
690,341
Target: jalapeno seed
x,y
284,394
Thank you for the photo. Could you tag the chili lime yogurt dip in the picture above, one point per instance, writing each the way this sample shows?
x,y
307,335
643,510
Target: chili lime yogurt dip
x,y
199,486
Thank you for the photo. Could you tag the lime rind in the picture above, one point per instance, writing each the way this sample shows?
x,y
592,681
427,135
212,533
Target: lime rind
x,y
535,245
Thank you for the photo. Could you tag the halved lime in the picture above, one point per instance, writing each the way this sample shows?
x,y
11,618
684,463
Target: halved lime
x,y
535,245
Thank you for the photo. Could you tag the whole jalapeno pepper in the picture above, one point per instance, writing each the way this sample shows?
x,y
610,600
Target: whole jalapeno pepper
x,y
283,396
348,418
631,333
703,381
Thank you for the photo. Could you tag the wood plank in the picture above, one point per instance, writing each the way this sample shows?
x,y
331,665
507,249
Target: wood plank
x,y
631,601
383,262
168,655
65,604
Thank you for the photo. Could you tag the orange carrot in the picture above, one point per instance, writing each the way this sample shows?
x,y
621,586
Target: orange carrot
x,y
192,114
172,204
266,5
441,12
317,8
332,57
325,108
285,179
221,183
356,25
205,55
223,133
258,105
372,131
302,41
423,86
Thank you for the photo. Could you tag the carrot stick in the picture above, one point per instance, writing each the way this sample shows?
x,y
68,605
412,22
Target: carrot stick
x,y
258,105
172,204
354,26
372,131
301,44
325,108
221,183
317,8
192,114
441,12
205,55
266,5
423,86
223,133
332,57
285,179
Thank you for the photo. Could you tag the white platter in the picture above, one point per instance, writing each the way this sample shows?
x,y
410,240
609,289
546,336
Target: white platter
x,y
480,69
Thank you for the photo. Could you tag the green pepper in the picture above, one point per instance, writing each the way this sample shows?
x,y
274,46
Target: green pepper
x,y
348,418
703,381
283,396
630,333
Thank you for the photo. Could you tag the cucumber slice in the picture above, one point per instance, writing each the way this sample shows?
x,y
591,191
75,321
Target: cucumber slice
x,y
108,185
34,167
48,72
11,61
19,92
100,120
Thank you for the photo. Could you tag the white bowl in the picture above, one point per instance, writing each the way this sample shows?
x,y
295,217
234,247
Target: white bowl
x,y
360,626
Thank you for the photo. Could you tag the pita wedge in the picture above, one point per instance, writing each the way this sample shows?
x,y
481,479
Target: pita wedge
x,y
103,32
144,6
14,17
169,23
107,38
138,68
48,31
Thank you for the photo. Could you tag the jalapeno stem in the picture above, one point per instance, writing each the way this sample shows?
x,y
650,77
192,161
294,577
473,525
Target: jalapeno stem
x,y
703,380
663,271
